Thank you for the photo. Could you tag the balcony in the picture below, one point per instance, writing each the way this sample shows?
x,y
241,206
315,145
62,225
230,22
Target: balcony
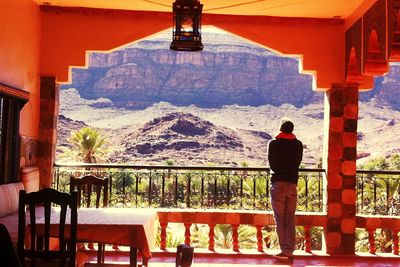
x,y
226,214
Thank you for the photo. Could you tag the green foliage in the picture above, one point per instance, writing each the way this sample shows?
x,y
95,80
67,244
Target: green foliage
x,y
376,164
244,164
170,162
223,236
247,236
199,235
88,145
175,235
382,164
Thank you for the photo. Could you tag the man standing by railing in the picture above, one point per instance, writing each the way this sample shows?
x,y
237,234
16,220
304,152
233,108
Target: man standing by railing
x,y
285,153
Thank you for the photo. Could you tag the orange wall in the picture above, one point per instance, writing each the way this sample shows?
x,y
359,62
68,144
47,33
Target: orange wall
x,y
319,42
68,32
19,56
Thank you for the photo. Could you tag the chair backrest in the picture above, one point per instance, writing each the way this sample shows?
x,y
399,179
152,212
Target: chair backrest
x,y
88,185
34,236
8,255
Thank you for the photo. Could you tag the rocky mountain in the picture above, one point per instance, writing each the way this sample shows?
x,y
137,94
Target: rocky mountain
x,y
219,106
181,137
65,126
386,91
240,73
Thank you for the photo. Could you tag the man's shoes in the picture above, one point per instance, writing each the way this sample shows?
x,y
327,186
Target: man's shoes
x,y
283,257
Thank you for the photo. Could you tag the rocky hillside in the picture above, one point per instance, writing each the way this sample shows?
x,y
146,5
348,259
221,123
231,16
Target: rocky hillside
x,y
239,73
387,89
183,138
65,126
219,106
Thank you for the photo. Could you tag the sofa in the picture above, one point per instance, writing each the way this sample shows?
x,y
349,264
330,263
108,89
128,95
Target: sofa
x,y
9,195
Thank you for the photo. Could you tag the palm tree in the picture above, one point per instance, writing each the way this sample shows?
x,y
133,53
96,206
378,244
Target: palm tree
x,y
87,145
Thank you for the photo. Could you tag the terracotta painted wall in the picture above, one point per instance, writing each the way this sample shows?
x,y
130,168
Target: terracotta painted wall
x,y
67,33
320,43
19,56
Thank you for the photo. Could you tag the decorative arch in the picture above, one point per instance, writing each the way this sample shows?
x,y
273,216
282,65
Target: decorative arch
x,y
68,33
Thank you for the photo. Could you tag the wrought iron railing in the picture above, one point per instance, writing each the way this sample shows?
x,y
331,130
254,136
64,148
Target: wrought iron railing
x,y
225,189
194,187
378,192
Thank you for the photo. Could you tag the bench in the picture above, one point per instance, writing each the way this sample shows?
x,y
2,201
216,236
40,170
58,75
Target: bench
x,y
9,195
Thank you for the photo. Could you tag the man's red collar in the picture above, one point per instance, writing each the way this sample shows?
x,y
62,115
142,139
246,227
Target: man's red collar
x,y
283,135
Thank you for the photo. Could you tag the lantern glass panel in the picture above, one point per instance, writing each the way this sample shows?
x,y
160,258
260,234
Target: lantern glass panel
x,y
187,25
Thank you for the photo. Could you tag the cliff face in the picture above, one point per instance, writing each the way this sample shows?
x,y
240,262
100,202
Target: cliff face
x,y
387,89
146,73
229,71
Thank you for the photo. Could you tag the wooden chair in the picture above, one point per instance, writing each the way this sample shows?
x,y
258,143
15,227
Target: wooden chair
x,y
86,186
34,238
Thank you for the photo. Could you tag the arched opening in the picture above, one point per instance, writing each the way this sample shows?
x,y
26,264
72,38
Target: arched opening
x,y
207,108
232,75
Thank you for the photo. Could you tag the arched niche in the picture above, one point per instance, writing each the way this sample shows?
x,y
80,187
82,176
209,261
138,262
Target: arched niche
x,y
353,75
373,64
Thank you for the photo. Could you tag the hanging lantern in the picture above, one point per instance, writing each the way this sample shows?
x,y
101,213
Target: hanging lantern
x,y
186,35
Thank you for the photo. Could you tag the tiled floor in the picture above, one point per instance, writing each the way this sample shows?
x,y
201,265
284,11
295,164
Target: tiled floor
x,y
260,260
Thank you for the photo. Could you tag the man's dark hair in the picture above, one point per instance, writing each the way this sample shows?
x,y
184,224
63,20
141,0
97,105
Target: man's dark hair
x,y
286,126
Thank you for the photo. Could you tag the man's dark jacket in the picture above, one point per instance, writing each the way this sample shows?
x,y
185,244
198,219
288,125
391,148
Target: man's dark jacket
x,y
284,157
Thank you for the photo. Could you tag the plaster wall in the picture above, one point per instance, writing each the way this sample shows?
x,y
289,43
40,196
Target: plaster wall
x,y
19,56
67,34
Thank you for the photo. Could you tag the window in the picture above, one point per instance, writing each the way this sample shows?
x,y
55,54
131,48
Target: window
x,y
11,102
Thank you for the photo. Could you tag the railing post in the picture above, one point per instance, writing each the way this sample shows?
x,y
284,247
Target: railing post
x,y
211,235
259,238
187,233
306,192
176,190
254,193
395,233
307,239
202,190
188,190
163,190
235,237
150,189
137,190
371,241
163,242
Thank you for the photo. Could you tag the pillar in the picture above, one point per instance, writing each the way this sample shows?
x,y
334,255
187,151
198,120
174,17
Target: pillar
x,y
341,115
49,108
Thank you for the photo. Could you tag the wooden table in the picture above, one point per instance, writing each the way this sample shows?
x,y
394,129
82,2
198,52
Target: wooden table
x,y
131,227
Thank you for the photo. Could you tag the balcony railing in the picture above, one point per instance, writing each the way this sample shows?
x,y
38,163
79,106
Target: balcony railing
x,y
194,187
237,200
378,192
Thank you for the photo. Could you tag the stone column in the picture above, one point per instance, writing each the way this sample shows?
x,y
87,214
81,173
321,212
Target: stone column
x,y
341,115
49,108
